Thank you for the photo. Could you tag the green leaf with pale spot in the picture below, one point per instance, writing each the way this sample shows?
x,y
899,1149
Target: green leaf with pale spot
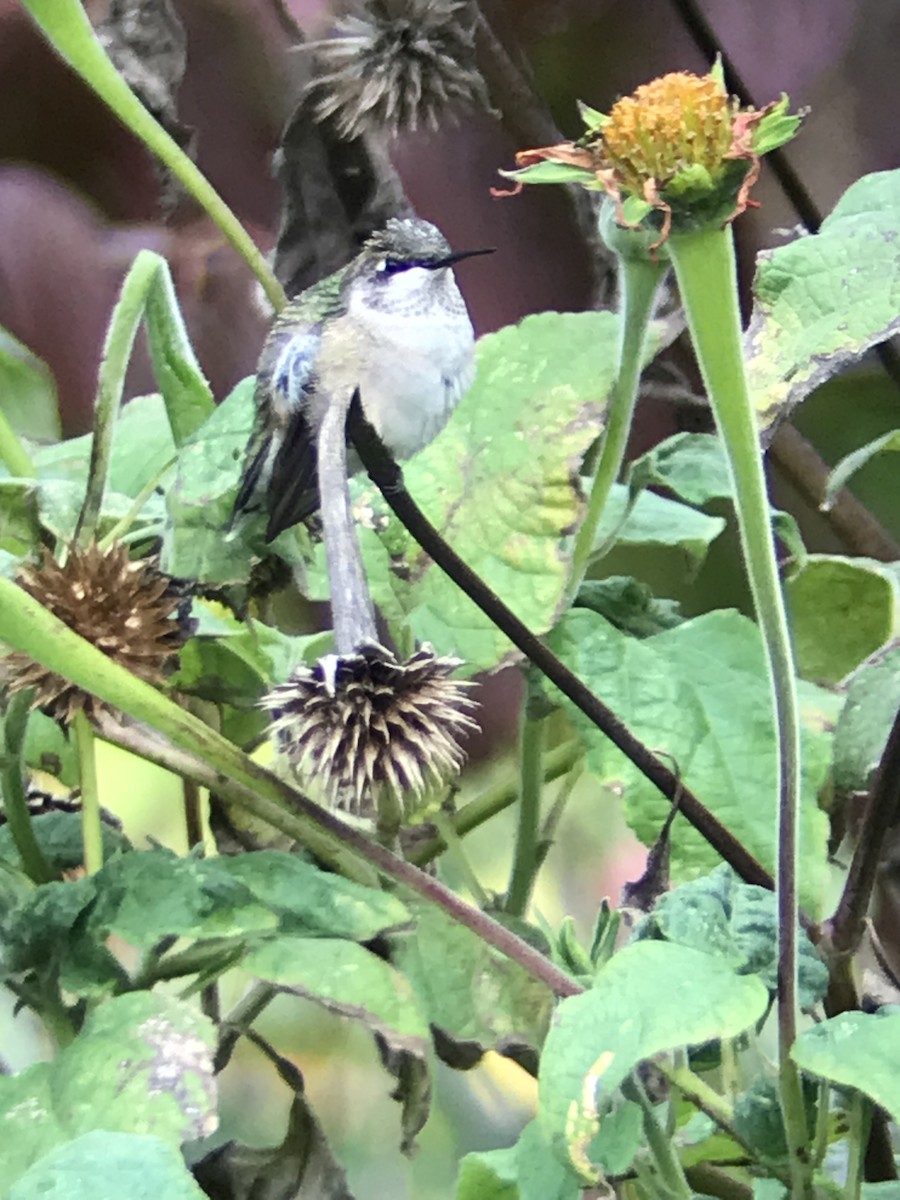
x,y
822,301
699,693
651,997
856,1050
501,484
107,1166
842,610
142,1063
28,391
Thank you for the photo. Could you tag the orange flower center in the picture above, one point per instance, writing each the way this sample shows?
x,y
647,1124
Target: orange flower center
x,y
667,126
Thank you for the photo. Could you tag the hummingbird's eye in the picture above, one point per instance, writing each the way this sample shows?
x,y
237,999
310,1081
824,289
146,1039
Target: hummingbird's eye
x,y
390,266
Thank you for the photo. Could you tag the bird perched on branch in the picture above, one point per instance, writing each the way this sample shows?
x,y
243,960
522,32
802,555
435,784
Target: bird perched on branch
x,y
392,326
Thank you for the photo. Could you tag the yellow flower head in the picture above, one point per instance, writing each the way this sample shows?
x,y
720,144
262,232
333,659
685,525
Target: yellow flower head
x,y
679,145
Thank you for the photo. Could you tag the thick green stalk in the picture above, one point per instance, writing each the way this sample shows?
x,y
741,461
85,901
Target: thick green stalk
x,y
639,280
662,1151
91,826
110,385
707,278
65,25
27,626
526,857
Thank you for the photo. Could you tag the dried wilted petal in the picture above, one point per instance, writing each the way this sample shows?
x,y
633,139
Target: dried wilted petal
x,y
399,64
366,725
129,610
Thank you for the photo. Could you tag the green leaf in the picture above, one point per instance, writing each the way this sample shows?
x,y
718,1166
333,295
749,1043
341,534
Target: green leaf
x,y
107,1166
146,896
722,915
842,610
651,997
488,1175
473,994
527,1171
59,836
873,697
142,1063
350,981
700,694
141,448
851,463
758,1120
345,979
235,662
28,390
501,484
656,521
823,300
48,749
692,465
313,901
199,502
856,1050
553,172
43,936
187,395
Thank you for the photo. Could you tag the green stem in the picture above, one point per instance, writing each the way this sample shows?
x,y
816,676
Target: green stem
x,y
12,789
67,28
122,527
117,349
664,1157
707,278
531,769
460,859
91,824
820,1143
13,454
859,1121
639,280
558,761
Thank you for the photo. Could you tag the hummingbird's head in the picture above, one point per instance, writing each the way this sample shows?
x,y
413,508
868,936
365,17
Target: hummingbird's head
x,y
406,265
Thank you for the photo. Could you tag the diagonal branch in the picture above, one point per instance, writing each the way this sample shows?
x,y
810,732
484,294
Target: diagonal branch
x,y
388,478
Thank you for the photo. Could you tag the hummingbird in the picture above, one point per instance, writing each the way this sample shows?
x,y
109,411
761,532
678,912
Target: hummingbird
x,y
391,326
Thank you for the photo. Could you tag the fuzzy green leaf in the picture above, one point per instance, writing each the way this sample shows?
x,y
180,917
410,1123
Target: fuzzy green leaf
x,y
28,390
873,697
823,300
469,991
651,996
856,1050
142,1063
107,1166
700,694
309,900
842,610
501,484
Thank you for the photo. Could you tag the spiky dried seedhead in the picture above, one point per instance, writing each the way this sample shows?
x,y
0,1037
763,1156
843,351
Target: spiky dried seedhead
x,y
399,64
368,726
129,610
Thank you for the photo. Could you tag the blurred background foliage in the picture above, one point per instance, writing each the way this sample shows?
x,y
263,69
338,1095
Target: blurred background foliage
x,y
79,196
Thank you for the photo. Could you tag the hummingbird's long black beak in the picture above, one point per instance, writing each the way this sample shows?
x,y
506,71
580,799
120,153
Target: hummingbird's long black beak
x,y
460,255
